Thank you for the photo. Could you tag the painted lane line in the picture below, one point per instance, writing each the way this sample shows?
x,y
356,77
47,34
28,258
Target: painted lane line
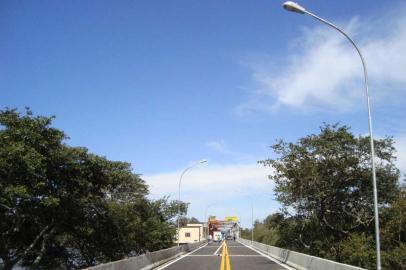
x,y
241,255
217,250
227,259
223,258
190,253
269,257
203,255
181,257
237,255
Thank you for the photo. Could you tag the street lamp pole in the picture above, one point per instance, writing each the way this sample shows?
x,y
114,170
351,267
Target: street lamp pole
x,y
252,217
180,181
294,7
252,221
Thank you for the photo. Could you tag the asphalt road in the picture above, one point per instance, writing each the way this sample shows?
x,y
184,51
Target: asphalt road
x,y
229,256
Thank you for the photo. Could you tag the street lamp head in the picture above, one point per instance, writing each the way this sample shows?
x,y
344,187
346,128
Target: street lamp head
x,y
294,7
203,161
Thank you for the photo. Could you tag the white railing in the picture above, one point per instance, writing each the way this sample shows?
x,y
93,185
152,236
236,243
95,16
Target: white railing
x,y
148,260
298,260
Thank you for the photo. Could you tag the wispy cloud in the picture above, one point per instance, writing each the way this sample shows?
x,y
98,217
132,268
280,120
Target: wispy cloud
x,y
215,183
206,181
324,72
230,187
219,146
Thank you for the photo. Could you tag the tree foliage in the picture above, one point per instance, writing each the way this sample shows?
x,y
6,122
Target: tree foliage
x,y
63,207
183,221
324,184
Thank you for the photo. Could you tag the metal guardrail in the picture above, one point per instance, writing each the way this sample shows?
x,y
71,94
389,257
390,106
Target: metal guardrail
x,y
298,260
149,260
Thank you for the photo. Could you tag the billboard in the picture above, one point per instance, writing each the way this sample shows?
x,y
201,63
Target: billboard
x,y
235,219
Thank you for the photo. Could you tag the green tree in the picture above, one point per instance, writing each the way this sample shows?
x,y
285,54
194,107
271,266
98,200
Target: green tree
x,y
324,183
63,207
267,231
394,233
193,220
359,249
246,233
183,221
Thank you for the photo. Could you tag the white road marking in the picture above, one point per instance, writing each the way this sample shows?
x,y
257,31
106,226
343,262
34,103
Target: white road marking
x,y
241,255
203,255
215,253
181,257
197,249
245,255
269,257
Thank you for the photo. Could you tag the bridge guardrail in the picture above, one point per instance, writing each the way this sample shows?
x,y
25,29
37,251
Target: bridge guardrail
x,y
298,260
149,260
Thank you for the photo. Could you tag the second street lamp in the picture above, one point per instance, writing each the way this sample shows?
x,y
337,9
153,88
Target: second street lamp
x,y
180,181
252,216
295,7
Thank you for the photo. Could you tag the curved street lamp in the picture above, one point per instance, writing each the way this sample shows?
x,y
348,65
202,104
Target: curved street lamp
x,y
180,181
295,7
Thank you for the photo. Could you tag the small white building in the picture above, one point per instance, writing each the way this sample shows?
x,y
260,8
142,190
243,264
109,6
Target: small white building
x,y
192,233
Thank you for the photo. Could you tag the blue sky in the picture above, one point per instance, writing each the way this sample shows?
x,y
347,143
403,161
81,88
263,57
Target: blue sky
x,y
162,84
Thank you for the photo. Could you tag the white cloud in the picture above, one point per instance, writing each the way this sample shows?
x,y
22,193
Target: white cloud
x,y
219,146
212,180
324,71
230,188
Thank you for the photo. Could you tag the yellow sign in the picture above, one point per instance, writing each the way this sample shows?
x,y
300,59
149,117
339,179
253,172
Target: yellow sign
x,y
212,218
235,219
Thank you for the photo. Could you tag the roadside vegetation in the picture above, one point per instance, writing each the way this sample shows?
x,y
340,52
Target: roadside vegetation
x,y
62,207
323,182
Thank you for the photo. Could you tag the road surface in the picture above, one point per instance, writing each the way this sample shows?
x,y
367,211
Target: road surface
x,y
229,255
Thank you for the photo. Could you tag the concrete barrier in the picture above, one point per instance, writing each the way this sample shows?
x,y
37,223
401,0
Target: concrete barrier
x,y
298,260
149,260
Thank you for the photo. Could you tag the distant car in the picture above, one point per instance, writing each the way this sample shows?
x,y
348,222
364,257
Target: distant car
x,y
229,237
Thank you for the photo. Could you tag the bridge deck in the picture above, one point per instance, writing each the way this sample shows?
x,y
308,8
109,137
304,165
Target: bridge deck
x,y
236,257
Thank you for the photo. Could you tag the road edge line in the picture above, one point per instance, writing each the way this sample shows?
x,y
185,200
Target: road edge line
x,y
179,258
269,257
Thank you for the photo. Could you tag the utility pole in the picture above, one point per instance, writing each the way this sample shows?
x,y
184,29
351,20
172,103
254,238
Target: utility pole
x,y
252,221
